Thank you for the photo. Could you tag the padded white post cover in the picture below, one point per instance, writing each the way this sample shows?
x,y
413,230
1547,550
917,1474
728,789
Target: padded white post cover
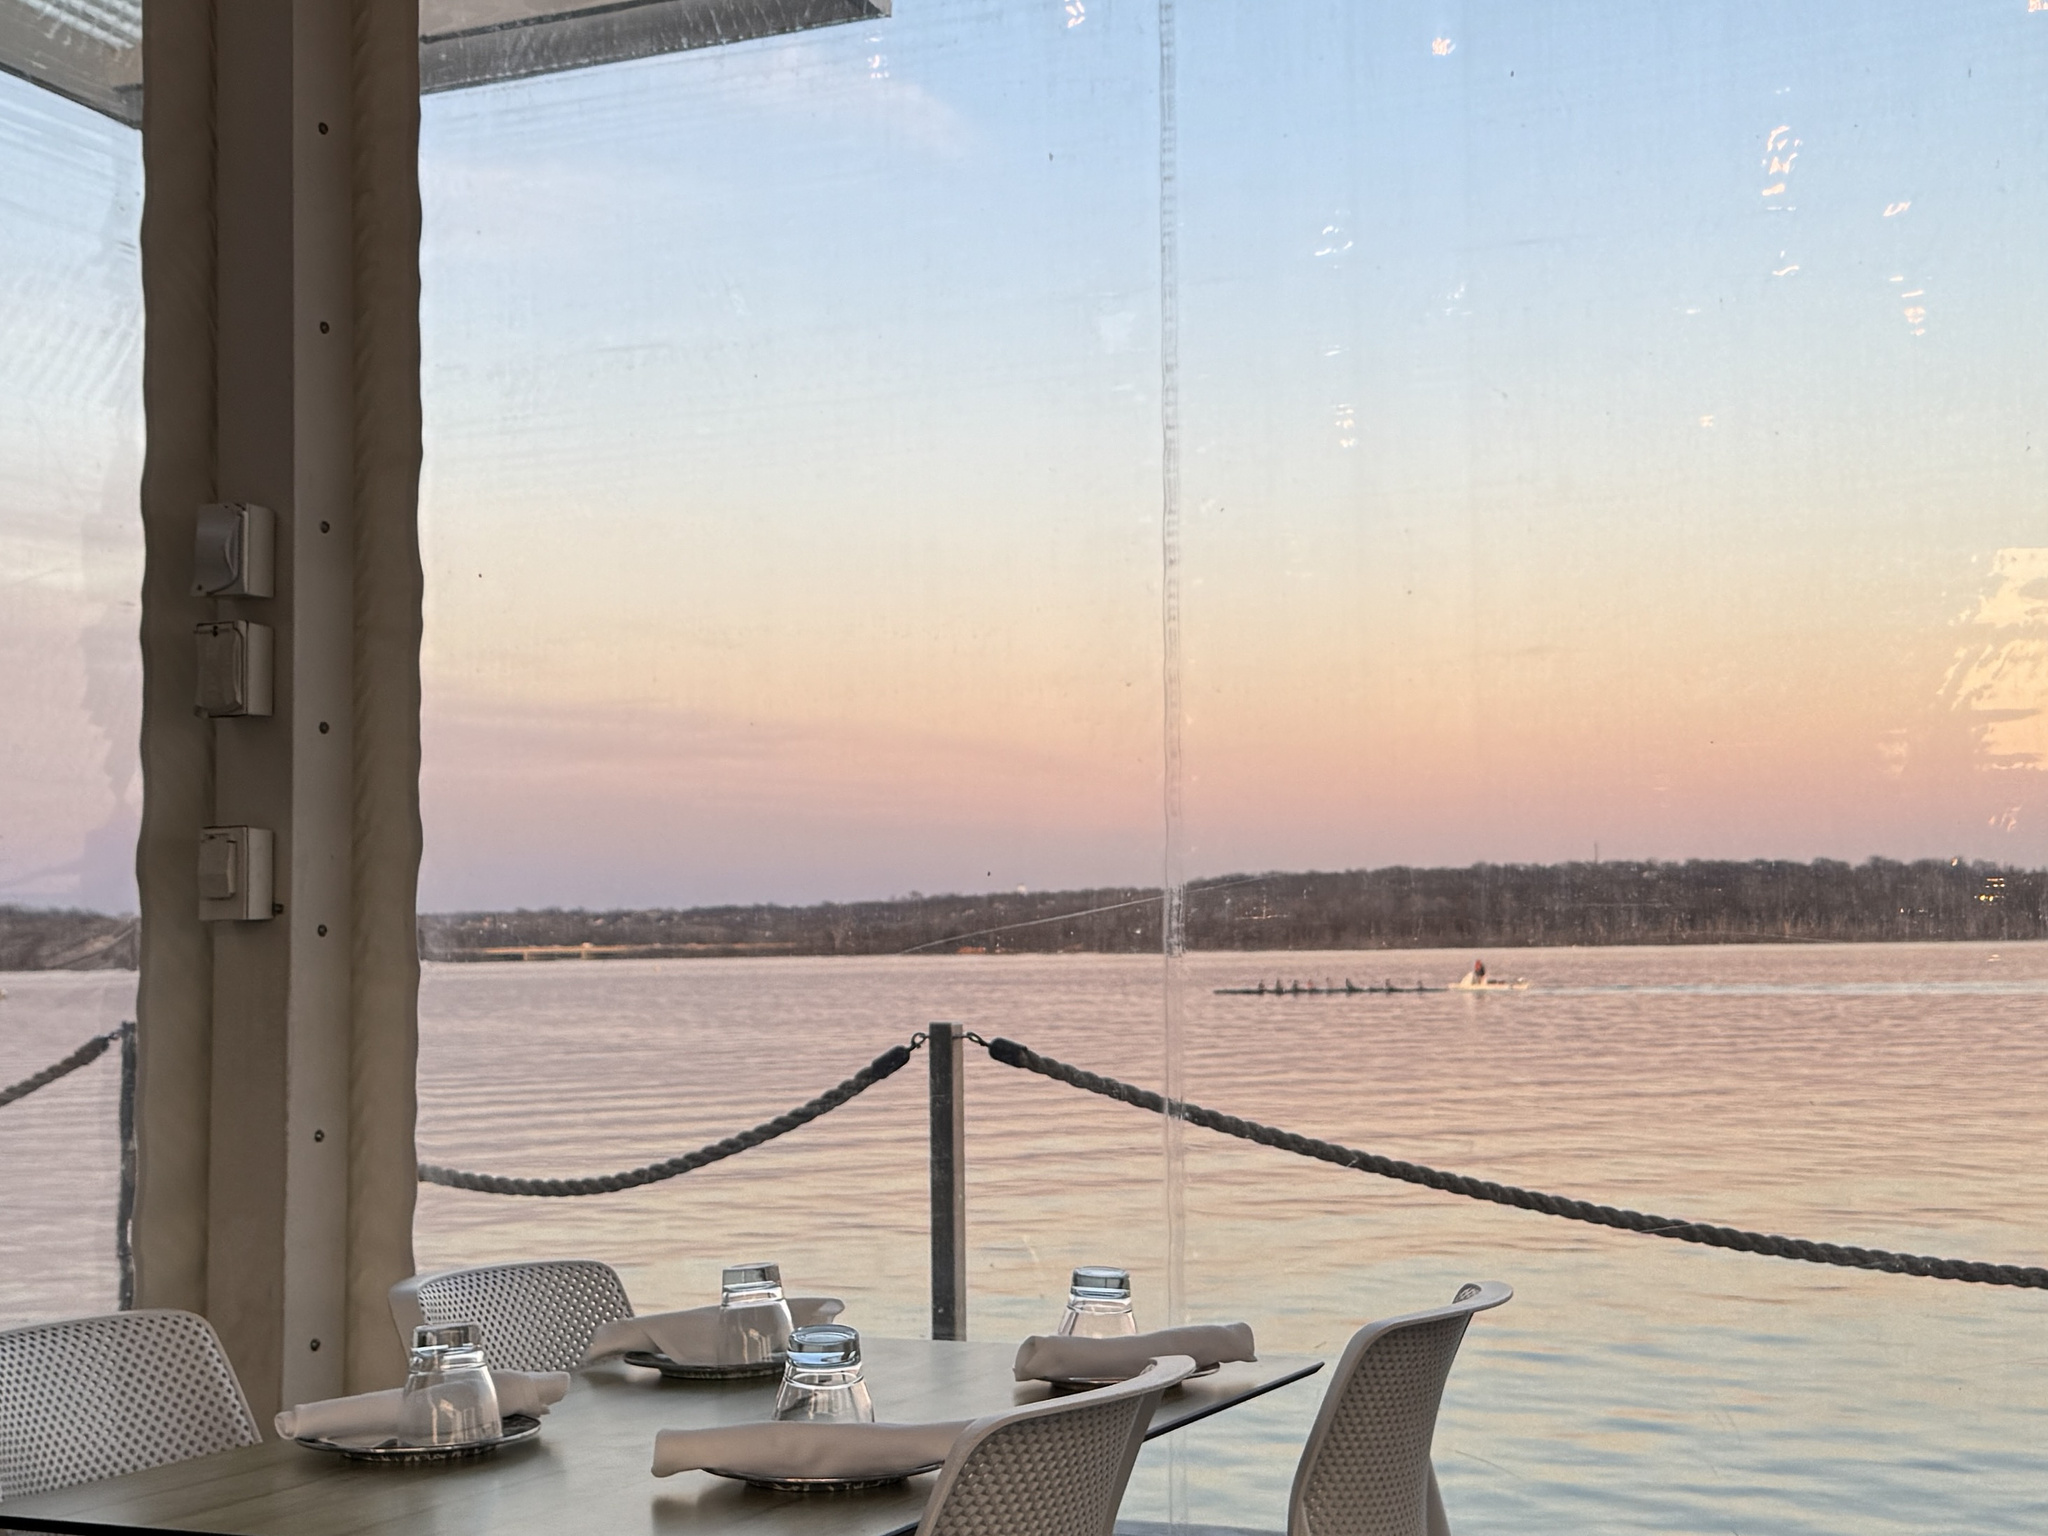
x,y
99,1396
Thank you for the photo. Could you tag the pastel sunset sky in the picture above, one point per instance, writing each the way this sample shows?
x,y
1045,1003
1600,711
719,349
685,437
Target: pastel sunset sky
x,y
1597,424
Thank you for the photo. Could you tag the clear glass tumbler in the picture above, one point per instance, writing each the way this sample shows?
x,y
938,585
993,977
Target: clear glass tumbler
x,y
753,1319
449,1397
823,1382
1099,1304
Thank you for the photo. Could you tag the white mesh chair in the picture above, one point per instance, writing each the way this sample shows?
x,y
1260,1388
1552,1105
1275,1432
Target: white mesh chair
x,y
99,1396
1365,1470
534,1317
1056,1468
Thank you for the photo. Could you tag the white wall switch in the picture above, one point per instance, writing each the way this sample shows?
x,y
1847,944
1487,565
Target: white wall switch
x,y
235,874
235,668
234,552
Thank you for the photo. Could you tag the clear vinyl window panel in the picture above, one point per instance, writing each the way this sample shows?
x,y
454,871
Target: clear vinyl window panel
x,y
1570,474
70,676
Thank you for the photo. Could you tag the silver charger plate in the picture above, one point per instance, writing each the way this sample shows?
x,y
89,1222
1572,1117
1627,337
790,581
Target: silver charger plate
x,y
519,1428
1090,1383
687,1370
823,1484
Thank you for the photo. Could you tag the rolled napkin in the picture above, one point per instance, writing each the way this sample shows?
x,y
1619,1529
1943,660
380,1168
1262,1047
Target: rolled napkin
x,y
772,1451
372,1417
1065,1357
694,1337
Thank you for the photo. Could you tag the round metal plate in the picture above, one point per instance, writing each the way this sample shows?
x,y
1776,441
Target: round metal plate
x,y
1089,1384
823,1484
519,1428
685,1370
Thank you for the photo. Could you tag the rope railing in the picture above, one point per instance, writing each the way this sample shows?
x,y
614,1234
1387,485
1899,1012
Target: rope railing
x,y
887,1064
124,1208
84,1056
1011,1054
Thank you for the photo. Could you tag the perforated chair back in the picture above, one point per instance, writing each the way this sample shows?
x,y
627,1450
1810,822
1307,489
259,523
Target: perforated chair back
x,y
534,1317
1366,1470
99,1396
1056,1468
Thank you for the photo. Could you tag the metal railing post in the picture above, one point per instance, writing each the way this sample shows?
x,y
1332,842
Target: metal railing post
x,y
124,1211
946,1047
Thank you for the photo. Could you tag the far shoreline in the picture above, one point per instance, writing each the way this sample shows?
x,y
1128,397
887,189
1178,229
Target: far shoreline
x,y
1390,910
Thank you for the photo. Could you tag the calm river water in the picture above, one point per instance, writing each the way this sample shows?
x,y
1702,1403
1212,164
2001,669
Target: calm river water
x,y
1892,1096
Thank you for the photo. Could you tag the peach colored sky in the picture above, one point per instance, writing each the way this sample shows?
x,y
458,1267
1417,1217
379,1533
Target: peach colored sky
x,y
1549,478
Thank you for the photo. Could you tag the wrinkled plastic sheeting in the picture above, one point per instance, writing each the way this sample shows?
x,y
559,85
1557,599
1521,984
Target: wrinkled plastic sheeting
x,y
87,50
474,42
90,51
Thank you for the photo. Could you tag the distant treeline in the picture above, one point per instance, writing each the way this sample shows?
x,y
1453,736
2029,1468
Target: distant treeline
x,y
1483,906
36,939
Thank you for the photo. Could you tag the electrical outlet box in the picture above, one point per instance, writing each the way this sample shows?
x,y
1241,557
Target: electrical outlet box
x,y
235,668
234,553
235,874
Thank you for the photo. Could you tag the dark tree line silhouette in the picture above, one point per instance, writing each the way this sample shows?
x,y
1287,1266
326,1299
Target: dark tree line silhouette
x,y
1490,906
1486,905
46,939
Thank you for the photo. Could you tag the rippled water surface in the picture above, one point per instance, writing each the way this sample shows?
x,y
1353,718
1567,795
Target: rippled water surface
x,y
1891,1096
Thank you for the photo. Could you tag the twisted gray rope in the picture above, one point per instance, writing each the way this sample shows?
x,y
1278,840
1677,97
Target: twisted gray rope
x,y
1011,1054
85,1055
889,1062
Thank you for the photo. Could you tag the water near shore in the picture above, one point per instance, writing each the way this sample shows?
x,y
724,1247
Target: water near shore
x,y
1893,1096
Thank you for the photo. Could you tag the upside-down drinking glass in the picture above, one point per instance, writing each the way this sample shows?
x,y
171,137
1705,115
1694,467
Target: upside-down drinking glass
x,y
449,1397
752,1316
1099,1303
823,1382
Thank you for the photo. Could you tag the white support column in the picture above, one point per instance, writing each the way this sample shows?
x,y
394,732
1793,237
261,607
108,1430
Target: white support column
x,y
257,1076
277,1241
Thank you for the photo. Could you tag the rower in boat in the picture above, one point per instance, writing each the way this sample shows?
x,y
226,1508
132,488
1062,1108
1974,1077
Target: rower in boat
x,y
1476,980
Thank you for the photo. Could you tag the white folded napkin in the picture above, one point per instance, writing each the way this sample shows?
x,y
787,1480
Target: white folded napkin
x,y
700,1335
372,1417
1063,1357
772,1450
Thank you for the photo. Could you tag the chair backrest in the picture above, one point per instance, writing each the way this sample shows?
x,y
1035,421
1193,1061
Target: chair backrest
x,y
1056,1468
534,1317
1365,1470
96,1397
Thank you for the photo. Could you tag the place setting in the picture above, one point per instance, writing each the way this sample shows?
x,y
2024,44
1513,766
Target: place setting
x,y
1098,1343
741,1338
452,1407
822,1436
